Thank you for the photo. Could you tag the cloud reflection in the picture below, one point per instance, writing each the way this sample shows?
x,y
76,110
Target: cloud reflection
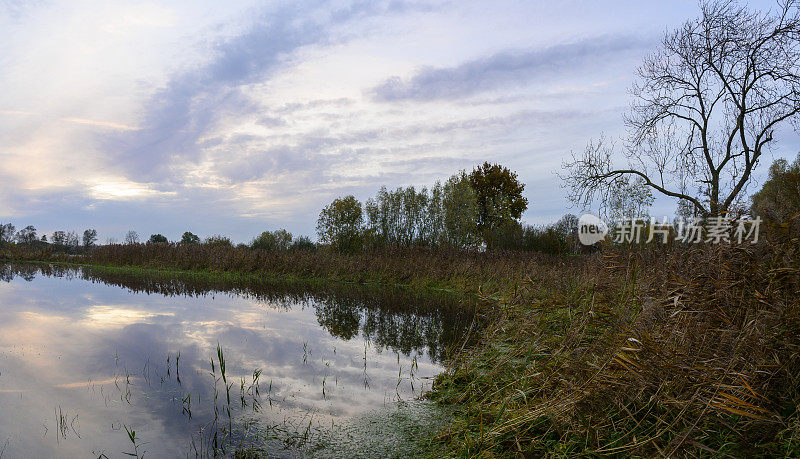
x,y
109,356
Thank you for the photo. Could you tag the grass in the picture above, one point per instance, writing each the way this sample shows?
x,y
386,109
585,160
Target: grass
x,y
417,268
666,352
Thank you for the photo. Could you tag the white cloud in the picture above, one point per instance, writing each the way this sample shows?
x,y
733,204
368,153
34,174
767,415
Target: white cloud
x,y
125,189
102,124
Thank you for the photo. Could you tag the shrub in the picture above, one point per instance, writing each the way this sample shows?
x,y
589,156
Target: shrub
x,y
190,238
278,240
303,243
218,240
157,239
555,239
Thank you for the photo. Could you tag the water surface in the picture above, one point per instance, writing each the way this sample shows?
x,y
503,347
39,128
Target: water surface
x,y
87,356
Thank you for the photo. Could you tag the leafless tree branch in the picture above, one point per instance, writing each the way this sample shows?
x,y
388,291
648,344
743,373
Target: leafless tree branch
x,y
705,108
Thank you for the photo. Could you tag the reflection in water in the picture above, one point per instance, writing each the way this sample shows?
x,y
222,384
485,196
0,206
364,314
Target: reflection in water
x,y
194,366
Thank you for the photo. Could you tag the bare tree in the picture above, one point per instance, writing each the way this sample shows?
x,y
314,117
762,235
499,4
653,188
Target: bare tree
x,y
706,106
131,237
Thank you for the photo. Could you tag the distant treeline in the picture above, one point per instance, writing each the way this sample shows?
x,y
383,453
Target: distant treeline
x,y
473,211
468,211
479,210
67,241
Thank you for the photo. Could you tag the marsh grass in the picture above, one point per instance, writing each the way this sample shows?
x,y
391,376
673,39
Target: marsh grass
x,y
134,442
421,268
661,352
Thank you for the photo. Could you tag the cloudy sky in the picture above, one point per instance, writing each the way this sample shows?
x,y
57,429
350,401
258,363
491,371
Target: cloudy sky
x,y
239,116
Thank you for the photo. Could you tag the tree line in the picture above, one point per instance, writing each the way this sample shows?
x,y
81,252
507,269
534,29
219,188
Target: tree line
x,y
468,211
68,241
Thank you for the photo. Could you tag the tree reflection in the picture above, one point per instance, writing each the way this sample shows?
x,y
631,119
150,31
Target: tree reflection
x,y
391,318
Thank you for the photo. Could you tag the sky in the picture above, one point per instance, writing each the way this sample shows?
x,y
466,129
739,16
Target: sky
x,y
238,117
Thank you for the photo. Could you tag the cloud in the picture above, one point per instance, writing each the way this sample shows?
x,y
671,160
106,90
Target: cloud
x,y
180,114
16,112
314,104
504,69
123,189
264,113
103,124
17,8
315,156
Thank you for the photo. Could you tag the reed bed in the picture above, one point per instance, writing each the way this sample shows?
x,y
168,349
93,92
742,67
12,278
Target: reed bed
x,y
419,267
677,352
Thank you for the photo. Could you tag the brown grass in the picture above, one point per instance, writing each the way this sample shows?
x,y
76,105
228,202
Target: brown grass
x,y
664,351
453,269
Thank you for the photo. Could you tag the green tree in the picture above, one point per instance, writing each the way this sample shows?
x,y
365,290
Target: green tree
x,y
444,214
433,229
405,216
509,236
567,226
459,212
303,243
89,238
341,224
157,239
72,241
685,211
278,240
778,201
190,238
499,198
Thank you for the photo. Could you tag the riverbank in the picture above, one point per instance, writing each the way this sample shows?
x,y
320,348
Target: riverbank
x,y
670,352
414,268
665,351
